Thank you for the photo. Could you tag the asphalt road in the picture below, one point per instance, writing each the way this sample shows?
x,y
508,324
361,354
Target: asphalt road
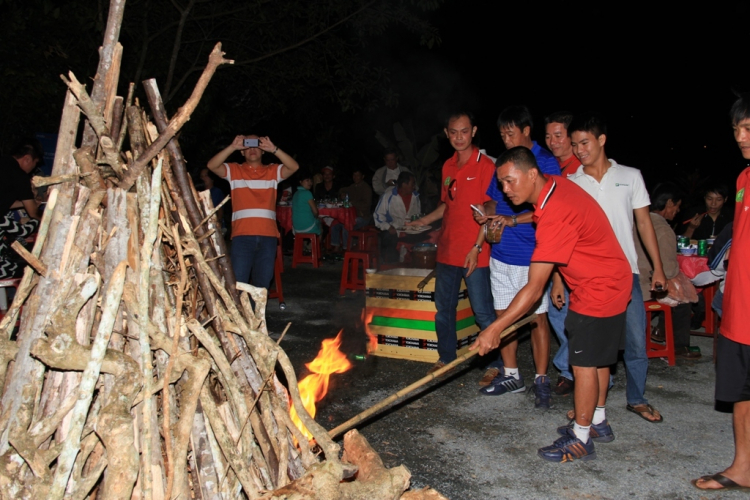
x,y
470,446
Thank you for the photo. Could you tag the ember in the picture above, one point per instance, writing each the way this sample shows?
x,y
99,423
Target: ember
x,y
314,387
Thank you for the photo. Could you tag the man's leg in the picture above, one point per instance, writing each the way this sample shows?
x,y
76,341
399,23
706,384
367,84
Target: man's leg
x,y
480,294
588,393
336,232
241,256
540,343
739,471
447,285
636,360
263,261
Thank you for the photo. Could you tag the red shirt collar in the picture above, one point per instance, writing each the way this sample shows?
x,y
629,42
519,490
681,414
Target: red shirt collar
x,y
544,196
570,165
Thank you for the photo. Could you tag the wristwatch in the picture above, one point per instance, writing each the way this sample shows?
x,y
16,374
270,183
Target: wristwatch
x,y
478,247
515,220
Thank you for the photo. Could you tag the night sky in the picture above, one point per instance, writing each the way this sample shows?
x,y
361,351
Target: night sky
x,y
662,77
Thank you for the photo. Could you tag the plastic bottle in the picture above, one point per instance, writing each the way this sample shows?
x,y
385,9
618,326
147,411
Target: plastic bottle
x,y
346,201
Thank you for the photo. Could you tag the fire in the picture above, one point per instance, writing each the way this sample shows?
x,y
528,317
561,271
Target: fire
x,y
314,387
372,343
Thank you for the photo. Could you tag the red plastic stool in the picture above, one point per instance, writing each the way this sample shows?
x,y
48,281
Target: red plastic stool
x,y
278,290
350,279
366,241
654,349
299,257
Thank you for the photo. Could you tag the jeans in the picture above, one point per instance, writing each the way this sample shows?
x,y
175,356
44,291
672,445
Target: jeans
x,y
636,360
447,286
557,321
253,259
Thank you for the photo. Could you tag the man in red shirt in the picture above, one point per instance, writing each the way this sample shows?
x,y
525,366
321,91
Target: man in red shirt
x,y
558,142
462,252
733,347
574,235
253,183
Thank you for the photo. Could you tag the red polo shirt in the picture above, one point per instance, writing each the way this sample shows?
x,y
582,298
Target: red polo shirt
x,y
574,233
569,166
462,187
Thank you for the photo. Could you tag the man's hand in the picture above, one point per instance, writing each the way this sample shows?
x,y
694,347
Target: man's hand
x,y
695,222
391,183
238,143
658,279
415,223
557,294
487,340
472,258
392,230
265,144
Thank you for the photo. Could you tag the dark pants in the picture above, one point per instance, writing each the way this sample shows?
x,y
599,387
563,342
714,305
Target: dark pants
x,y
253,259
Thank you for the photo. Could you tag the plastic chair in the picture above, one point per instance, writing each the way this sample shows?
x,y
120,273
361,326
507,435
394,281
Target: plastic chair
x,y
654,349
299,258
350,279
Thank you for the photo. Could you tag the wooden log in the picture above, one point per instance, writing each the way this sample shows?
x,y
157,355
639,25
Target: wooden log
x,y
373,479
91,374
215,60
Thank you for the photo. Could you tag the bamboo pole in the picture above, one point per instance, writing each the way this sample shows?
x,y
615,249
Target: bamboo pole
x,y
419,383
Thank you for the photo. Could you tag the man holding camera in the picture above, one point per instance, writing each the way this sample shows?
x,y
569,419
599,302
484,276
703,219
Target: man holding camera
x,y
253,183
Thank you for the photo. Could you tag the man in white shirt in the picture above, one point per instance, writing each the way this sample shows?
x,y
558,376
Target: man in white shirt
x,y
385,177
621,192
397,206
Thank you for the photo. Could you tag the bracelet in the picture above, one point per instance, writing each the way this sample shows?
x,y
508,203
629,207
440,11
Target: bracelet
x,y
515,220
478,247
275,150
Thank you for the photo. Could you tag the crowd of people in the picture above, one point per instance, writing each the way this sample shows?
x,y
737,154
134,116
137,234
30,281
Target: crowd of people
x,y
583,245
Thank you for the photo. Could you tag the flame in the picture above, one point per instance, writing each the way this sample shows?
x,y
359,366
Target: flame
x,y
372,343
314,387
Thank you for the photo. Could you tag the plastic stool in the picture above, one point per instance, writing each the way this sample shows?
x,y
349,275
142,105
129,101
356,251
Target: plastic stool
x,y
278,290
365,240
350,279
299,257
654,349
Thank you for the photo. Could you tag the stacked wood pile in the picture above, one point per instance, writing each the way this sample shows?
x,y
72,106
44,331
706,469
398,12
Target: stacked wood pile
x,y
139,368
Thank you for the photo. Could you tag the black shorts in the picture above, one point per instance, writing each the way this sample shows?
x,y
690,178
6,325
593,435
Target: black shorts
x,y
594,341
732,371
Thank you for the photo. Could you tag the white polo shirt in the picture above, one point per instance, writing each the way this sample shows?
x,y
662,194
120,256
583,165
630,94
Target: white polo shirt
x,y
620,191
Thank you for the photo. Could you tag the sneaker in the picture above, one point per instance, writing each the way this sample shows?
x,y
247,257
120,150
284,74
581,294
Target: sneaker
x,y
564,386
601,433
502,384
489,376
542,391
568,448
438,365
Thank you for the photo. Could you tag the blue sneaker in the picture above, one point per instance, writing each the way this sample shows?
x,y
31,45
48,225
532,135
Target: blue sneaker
x,y
568,448
543,391
601,433
502,384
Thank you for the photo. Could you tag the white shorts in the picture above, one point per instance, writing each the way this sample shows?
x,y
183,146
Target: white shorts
x,y
507,281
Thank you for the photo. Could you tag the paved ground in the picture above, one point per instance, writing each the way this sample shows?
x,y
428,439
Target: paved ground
x,y
470,446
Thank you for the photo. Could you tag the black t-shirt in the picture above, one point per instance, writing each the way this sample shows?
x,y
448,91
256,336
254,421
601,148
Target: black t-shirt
x,y
709,228
15,184
321,193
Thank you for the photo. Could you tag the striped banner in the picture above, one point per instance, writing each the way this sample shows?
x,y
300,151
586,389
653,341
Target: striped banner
x,y
392,293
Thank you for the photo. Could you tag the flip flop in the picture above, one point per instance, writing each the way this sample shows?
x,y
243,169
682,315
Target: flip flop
x,y
724,481
644,409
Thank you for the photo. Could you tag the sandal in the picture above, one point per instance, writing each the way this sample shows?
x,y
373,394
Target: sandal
x,y
722,480
644,410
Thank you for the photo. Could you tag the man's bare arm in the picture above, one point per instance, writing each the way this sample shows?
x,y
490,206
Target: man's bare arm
x,y
216,164
489,339
31,208
648,237
429,218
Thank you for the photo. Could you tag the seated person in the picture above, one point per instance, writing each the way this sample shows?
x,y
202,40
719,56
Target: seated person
x,y
397,206
666,199
304,210
360,197
707,220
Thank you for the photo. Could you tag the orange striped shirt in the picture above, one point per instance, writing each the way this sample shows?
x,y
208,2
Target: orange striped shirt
x,y
253,198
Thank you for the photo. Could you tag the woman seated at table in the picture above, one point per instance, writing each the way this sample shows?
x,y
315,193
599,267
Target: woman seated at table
x,y
666,199
708,219
304,210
